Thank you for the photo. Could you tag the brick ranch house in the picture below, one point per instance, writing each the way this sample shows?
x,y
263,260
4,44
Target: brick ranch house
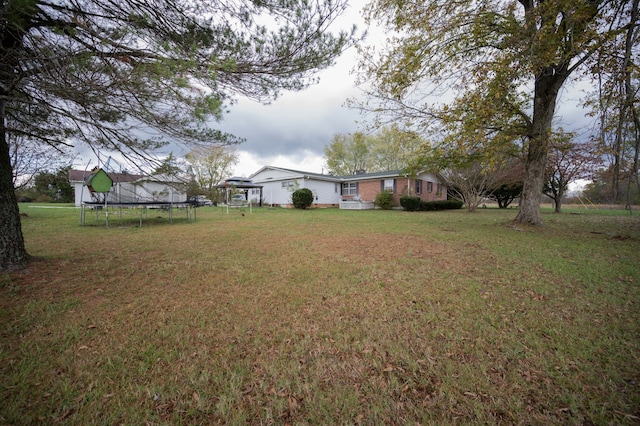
x,y
348,192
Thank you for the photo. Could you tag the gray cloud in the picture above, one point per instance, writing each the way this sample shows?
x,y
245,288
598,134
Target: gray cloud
x,y
289,128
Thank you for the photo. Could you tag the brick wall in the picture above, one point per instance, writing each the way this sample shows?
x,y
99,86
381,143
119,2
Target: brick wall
x,y
369,189
430,195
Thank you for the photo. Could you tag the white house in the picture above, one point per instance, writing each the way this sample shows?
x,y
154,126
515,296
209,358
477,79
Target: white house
x,y
130,189
278,184
355,192
155,188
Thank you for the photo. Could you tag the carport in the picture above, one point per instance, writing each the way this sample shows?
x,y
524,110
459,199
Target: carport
x,y
238,185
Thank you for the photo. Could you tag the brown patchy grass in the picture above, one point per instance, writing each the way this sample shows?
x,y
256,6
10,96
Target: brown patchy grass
x,y
324,317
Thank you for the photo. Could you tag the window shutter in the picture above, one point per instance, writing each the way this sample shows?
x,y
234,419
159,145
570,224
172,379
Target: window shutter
x,y
382,185
357,188
394,186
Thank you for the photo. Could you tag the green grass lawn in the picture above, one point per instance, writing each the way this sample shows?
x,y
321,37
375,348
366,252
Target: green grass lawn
x,y
323,317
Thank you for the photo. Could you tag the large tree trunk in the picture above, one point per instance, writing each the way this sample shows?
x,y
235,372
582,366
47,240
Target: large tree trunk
x,y
558,202
547,85
13,254
529,211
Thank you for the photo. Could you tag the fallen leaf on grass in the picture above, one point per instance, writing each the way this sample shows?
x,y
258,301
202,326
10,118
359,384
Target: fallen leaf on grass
x,y
293,403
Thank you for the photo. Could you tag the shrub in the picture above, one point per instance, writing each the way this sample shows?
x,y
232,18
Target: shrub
x,y
440,205
302,198
410,204
384,200
452,204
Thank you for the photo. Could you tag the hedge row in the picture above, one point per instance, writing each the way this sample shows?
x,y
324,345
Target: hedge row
x,y
414,204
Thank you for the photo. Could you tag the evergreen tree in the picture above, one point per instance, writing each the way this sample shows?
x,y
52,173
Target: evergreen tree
x,y
132,75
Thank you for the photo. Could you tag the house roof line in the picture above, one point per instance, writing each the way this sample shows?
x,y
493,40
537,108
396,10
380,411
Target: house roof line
x,y
299,174
360,176
333,178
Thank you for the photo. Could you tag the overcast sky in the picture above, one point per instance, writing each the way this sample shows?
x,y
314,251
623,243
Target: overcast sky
x,y
292,131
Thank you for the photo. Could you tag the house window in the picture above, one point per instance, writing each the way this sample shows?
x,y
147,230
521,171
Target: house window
x,y
439,189
349,188
287,184
429,186
418,186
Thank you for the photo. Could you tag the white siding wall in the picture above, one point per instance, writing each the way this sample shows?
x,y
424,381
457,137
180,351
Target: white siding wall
x,y
325,192
163,193
82,194
253,195
274,193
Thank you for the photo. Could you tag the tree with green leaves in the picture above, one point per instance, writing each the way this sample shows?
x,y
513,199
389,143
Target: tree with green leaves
x,y
485,76
347,154
390,148
54,186
131,76
210,165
